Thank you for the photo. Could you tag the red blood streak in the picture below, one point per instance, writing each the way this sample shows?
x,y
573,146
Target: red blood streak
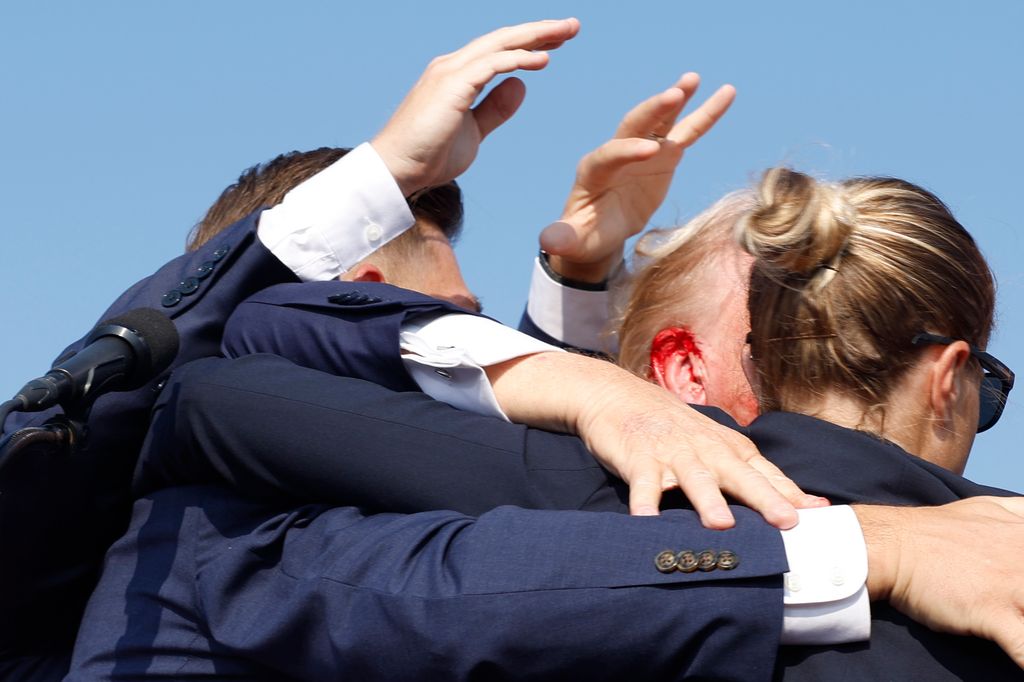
x,y
669,342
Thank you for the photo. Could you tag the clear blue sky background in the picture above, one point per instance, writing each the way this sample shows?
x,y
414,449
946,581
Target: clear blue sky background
x,y
122,121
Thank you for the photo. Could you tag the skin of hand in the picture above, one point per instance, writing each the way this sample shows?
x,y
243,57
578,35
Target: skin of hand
x,y
957,568
647,437
621,183
434,136
436,131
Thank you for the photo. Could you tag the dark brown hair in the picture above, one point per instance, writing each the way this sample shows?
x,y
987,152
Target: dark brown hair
x,y
266,184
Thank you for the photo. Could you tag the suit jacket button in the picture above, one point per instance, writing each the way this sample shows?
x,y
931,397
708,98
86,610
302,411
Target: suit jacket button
x,y
341,299
220,253
686,561
707,560
666,561
188,286
204,270
359,298
727,560
171,298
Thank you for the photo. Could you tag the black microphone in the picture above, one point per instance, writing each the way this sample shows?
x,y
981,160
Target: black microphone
x,y
120,354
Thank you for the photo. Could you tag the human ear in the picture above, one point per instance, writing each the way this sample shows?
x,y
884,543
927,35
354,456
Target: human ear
x,y
948,380
678,366
364,272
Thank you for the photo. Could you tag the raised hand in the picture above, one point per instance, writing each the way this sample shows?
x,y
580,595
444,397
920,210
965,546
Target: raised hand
x,y
435,133
621,183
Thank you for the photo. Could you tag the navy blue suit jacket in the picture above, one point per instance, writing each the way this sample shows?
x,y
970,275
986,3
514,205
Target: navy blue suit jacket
x,y
309,410
213,584
207,584
450,459
58,515
844,465
850,466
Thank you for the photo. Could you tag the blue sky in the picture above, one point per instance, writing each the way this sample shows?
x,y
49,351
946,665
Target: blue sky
x,y
122,121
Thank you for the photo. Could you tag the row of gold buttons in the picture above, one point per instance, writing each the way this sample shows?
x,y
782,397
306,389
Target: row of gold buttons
x,y
688,561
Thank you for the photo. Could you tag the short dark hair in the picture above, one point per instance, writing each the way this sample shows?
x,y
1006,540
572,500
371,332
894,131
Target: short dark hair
x,y
266,184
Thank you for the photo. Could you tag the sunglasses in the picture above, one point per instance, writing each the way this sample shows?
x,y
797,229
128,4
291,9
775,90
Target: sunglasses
x,y
995,383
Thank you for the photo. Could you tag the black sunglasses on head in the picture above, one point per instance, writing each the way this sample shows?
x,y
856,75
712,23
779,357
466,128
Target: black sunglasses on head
x,y
995,383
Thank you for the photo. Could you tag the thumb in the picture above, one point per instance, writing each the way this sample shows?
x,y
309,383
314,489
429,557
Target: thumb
x,y
559,239
499,105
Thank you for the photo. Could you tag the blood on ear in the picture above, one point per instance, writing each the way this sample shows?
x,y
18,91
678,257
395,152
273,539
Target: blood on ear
x,y
671,342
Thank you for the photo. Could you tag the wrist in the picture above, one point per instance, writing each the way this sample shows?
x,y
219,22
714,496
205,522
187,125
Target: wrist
x,y
623,418
586,276
543,390
882,536
407,175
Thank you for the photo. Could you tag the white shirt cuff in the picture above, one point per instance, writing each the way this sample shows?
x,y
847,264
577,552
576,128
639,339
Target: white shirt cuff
x,y
825,591
446,356
336,218
576,317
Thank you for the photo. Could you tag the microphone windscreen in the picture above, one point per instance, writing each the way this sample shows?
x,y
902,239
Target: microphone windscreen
x,y
157,331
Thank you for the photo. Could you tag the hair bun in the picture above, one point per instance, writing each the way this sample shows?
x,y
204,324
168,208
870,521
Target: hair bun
x,y
799,224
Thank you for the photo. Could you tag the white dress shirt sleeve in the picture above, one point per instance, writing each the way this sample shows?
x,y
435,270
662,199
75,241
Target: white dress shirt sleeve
x,y
825,591
336,218
446,356
576,317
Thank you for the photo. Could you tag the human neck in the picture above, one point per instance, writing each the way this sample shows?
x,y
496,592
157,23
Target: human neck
x,y
841,409
901,420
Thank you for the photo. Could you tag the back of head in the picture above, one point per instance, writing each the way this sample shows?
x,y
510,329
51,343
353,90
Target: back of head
x,y
846,274
266,184
402,257
262,185
670,287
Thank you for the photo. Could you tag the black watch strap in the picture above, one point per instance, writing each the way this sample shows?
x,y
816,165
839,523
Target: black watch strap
x,y
571,283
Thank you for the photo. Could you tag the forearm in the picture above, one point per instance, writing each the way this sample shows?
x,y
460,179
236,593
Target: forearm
x,y
545,390
932,563
508,591
273,429
880,525
577,394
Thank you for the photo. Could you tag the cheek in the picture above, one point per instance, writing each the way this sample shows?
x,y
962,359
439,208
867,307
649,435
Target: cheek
x,y
727,387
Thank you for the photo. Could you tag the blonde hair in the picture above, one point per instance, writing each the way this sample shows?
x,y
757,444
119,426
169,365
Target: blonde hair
x,y
669,266
845,275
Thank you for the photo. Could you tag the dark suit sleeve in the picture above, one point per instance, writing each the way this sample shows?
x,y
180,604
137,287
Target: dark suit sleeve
x,y
271,428
316,594
58,514
344,328
528,326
